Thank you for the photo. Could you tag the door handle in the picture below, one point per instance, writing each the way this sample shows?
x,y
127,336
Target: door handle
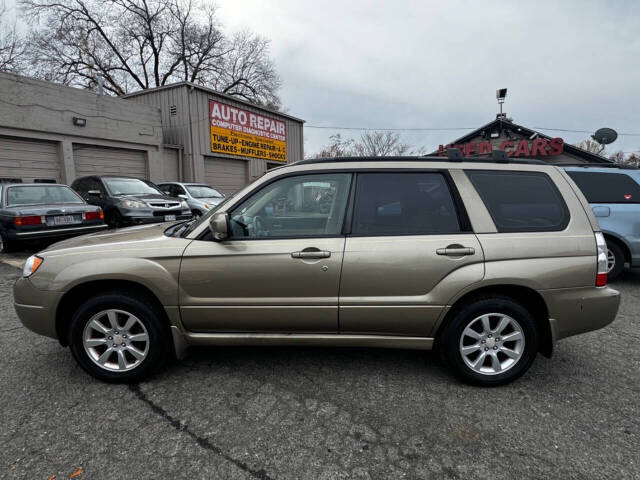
x,y
311,254
456,251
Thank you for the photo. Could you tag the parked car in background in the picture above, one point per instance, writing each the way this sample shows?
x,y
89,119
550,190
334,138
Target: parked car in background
x,y
130,201
36,211
200,197
488,263
614,196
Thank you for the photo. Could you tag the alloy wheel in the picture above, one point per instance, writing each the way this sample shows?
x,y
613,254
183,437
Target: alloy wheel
x,y
116,340
492,343
611,260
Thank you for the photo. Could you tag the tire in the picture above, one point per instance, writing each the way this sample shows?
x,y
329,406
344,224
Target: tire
x,y
480,349
615,253
5,244
146,319
114,219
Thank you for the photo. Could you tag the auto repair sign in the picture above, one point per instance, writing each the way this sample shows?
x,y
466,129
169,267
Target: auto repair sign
x,y
239,132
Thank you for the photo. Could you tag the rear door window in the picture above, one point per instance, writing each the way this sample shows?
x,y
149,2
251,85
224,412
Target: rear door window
x,y
601,187
521,201
403,204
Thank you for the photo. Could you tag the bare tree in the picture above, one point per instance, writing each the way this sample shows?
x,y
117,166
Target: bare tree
x,y
12,46
631,160
139,44
370,144
591,146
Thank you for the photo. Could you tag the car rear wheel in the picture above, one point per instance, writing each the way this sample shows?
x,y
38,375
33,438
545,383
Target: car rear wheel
x,y
118,338
489,341
615,260
4,243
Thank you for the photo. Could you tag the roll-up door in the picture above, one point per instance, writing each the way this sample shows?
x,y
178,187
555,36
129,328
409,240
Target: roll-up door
x,y
92,160
225,175
29,159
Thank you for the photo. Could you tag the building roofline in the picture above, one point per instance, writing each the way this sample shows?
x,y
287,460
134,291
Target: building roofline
x,y
214,92
528,132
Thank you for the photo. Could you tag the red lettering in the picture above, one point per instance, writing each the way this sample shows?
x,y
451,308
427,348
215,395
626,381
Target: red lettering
x,y
441,150
469,148
484,147
539,147
505,144
460,147
522,149
556,146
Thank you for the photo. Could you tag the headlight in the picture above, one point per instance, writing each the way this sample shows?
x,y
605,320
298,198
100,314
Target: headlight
x,y
133,204
31,265
184,204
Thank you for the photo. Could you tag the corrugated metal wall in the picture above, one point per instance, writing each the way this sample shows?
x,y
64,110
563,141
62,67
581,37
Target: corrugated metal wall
x,y
182,106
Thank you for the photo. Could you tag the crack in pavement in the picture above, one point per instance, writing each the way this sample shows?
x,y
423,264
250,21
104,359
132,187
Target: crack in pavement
x,y
202,441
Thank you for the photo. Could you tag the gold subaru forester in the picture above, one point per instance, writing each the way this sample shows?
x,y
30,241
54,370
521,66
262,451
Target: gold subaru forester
x,y
487,261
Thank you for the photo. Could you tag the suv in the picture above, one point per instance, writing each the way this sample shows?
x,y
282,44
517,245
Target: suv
x,y
614,195
130,201
199,196
487,262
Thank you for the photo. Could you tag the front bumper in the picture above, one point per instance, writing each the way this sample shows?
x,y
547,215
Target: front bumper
x,y
578,310
133,219
36,308
55,232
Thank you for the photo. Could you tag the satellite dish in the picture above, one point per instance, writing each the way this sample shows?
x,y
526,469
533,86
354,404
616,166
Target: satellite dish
x,y
605,136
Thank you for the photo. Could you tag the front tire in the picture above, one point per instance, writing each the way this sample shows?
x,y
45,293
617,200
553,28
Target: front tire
x,y
489,341
117,338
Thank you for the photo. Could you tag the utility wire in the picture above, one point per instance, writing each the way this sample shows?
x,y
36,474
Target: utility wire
x,y
428,129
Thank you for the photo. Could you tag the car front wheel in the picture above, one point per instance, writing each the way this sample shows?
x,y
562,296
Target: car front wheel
x,y
490,341
118,338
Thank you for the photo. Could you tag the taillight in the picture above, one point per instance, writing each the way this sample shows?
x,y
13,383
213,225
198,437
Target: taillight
x,y
601,252
30,220
94,215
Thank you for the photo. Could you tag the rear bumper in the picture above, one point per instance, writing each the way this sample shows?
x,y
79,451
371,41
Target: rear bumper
x,y
579,310
55,232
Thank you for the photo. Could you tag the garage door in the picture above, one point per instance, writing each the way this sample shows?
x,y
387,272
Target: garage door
x,y
91,160
29,159
225,175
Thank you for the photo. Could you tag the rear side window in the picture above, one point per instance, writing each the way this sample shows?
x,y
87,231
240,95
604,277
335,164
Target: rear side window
x,y
600,187
521,201
403,204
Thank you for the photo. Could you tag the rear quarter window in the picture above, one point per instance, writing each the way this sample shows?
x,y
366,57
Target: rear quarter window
x,y
601,187
521,201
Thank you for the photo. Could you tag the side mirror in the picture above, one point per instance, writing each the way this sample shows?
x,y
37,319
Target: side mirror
x,y
218,224
182,196
94,193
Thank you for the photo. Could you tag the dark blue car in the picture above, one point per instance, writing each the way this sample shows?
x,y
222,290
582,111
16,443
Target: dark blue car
x,y
34,211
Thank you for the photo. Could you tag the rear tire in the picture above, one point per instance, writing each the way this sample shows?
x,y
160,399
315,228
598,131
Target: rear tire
x,y
489,341
615,254
117,338
5,244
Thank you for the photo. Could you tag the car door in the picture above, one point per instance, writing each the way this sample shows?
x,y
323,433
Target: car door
x,y
409,250
279,271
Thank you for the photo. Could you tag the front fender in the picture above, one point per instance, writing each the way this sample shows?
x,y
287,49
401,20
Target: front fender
x,y
160,277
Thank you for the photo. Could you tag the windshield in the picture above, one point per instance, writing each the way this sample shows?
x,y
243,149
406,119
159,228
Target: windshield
x,y
41,195
129,186
203,191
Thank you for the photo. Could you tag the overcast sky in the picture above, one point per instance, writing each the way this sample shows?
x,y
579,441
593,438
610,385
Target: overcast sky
x,y
411,64
423,64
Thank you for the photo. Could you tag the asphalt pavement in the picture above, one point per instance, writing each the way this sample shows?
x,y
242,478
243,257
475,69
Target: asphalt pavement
x,y
312,413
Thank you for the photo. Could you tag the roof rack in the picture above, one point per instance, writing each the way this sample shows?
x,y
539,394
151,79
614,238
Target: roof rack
x,y
597,165
451,157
